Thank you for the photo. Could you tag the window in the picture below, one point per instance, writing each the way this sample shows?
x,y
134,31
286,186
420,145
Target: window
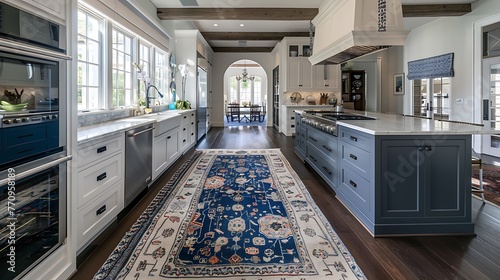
x,y
233,90
245,91
435,95
89,59
122,69
144,62
122,49
257,91
161,76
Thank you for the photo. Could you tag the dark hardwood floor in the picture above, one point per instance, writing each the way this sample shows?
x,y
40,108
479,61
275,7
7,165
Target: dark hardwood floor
x,y
423,257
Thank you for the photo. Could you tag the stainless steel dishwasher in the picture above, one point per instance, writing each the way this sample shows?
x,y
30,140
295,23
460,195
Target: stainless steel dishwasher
x,y
138,160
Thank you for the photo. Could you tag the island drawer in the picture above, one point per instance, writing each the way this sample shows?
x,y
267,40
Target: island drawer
x,y
95,179
356,189
357,159
356,138
324,142
325,166
93,152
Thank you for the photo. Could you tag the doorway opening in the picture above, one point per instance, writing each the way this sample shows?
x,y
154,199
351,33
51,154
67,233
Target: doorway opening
x,y
245,94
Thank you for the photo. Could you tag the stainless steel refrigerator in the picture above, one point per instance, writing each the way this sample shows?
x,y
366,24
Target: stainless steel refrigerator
x,y
201,107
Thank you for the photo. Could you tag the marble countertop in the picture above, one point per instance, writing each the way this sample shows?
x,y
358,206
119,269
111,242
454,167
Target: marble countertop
x,y
93,132
392,124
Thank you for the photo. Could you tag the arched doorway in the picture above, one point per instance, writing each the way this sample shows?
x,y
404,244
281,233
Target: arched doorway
x,y
245,84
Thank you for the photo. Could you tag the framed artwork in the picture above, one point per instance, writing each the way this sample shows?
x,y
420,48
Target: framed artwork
x,y
399,84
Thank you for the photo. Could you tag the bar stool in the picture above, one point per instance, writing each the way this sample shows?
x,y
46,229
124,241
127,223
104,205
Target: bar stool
x,y
476,160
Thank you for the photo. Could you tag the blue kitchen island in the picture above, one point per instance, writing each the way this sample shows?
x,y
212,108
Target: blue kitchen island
x,y
398,175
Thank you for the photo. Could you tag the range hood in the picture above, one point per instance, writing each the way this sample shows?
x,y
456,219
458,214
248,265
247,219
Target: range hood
x,y
347,29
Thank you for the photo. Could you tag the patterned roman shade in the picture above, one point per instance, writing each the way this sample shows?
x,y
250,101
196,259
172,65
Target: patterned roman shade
x,y
432,67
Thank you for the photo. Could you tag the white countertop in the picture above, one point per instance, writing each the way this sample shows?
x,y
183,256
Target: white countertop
x,y
99,130
392,124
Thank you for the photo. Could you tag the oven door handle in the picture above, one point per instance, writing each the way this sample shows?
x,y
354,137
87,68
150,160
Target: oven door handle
x,y
36,170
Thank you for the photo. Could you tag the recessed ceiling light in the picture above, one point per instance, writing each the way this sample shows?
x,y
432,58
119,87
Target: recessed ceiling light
x,y
215,24
241,24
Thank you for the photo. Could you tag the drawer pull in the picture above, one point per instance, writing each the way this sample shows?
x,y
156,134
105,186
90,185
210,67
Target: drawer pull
x,y
185,117
24,136
292,118
353,184
327,148
100,210
353,138
327,171
101,149
313,139
102,177
313,158
353,157
24,151
184,140
168,137
428,148
184,129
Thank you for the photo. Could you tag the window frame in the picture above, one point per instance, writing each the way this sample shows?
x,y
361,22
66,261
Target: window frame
x,y
106,65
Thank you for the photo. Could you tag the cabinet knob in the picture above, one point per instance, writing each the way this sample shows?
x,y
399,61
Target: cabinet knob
x,y
428,148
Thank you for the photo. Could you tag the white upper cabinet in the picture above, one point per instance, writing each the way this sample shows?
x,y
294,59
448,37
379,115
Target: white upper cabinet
x,y
299,74
327,77
53,10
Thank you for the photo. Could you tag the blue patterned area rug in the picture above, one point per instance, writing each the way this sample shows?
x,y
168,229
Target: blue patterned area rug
x,y
232,214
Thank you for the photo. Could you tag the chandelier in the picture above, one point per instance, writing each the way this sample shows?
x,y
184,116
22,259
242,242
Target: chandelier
x,y
244,77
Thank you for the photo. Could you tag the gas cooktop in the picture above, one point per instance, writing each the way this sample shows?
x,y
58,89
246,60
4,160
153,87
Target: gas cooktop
x,y
343,117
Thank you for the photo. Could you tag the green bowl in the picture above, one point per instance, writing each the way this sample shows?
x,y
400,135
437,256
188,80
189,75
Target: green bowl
x,y
13,107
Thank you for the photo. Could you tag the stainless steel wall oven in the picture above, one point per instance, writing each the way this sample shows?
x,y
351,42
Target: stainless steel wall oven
x,y
33,145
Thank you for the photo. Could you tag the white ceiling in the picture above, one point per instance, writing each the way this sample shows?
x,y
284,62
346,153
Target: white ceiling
x,y
272,26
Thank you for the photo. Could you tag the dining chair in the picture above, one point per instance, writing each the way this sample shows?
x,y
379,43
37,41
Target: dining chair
x,y
234,112
263,112
254,112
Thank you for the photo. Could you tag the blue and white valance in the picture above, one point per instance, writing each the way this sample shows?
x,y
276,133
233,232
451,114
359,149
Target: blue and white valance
x,y
432,67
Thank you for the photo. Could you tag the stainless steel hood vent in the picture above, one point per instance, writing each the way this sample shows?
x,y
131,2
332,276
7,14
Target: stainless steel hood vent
x,y
347,29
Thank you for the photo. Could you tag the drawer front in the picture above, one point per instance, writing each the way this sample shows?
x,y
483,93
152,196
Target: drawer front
x,y
97,178
185,117
24,135
355,138
323,165
355,188
324,142
93,218
93,152
357,159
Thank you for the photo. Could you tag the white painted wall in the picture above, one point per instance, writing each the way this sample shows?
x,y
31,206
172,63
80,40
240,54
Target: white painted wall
x,y
220,64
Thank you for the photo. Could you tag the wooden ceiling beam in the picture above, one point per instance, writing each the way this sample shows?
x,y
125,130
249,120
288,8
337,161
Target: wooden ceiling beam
x,y
436,10
251,36
242,49
237,13
432,10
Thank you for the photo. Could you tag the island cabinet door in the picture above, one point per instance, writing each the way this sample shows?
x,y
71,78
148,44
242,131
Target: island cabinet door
x,y
422,180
